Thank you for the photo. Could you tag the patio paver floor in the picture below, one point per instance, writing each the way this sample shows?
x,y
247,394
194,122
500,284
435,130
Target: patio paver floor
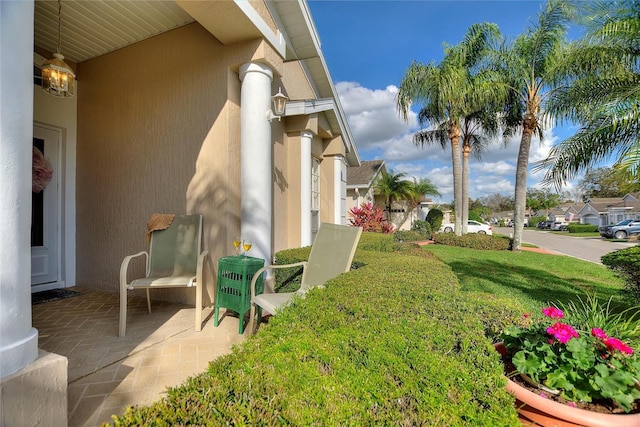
x,y
107,373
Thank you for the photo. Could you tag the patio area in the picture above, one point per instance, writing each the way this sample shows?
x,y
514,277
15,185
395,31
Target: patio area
x,y
107,373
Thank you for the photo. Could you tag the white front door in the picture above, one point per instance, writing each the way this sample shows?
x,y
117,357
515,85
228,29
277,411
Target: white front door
x,y
45,216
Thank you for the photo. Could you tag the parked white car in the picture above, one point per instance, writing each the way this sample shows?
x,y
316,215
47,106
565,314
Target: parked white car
x,y
472,227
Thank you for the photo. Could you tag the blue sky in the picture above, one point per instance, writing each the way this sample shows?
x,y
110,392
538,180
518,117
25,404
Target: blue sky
x,y
368,45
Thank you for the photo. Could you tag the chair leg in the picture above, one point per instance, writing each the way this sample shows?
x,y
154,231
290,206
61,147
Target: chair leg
x,y
199,305
148,301
122,330
250,325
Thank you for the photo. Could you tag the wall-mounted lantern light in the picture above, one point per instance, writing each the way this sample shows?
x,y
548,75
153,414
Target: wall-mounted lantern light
x,y
279,102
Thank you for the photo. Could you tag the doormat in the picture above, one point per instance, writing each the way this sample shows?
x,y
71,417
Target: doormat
x,y
52,295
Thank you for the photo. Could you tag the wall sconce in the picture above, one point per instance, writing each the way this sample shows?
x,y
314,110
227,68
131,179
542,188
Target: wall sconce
x,y
279,102
58,78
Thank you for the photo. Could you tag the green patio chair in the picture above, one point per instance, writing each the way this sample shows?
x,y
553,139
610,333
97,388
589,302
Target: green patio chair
x,y
331,255
175,260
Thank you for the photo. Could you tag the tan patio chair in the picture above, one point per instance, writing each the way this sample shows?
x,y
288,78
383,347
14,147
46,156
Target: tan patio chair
x,y
175,260
331,255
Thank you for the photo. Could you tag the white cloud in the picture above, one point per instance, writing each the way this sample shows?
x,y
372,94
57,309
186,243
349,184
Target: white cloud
x,y
372,115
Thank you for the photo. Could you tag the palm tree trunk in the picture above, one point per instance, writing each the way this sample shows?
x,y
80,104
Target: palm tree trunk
x,y
466,149
454,135
520,198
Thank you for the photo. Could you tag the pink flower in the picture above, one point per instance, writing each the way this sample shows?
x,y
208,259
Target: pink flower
x,y
573,405
553,312
526,315
616,344
543,395
599,333
562,332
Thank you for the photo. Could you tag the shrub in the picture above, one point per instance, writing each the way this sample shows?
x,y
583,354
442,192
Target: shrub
x,y
376,242
370,217
422,227
409,236
534,220
625,263
475,216
474,241
582,228
380,345
434,218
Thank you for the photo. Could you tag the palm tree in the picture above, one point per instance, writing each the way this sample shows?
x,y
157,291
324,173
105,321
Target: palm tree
x,y
603,95
446,93
419,188
393,187
477,130
530,66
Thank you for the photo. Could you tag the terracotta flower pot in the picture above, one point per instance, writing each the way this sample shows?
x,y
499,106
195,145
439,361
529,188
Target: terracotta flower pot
x,y
548,413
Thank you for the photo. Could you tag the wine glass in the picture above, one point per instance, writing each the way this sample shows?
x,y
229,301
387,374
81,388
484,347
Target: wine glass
x,y
246,245
237,241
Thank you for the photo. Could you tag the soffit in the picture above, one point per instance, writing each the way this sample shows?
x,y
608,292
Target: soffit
x,y
94,28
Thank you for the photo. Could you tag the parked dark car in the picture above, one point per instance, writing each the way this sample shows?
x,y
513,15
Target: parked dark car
x,y
545,225
621,230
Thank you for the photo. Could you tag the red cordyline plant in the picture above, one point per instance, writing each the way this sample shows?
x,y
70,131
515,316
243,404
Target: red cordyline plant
x,y
370,217
582,364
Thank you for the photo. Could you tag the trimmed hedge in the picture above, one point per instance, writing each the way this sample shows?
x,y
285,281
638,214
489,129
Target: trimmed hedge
x,y
625,263
582,228
410,236
474,241
394,342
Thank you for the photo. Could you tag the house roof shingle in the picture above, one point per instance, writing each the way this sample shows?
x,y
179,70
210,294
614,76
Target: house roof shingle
x,y
602,204
361,176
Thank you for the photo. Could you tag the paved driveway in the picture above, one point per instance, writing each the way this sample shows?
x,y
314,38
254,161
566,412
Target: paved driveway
x,y
586,248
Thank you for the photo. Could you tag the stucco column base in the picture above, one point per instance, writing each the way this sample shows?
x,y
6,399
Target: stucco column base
x,y
36,395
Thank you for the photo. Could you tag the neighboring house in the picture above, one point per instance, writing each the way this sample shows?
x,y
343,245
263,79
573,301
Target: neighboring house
x,y
424,206
573,212
611,210
361,188
361,183
403,218
504,216
568,212
172,114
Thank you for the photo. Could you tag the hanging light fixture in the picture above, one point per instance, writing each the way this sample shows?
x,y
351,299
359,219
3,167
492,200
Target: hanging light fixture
x,y
58,78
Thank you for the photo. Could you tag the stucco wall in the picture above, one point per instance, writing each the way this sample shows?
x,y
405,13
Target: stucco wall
x,y
158,131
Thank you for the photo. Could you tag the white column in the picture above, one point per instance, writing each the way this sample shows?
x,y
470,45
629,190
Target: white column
x,y
339,191
18,339
256,159
305,188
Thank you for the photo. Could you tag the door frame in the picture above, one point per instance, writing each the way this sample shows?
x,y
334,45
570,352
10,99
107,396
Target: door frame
x,y
58,167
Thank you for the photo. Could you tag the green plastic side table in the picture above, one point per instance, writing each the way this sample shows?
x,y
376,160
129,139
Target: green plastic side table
x,y
234,281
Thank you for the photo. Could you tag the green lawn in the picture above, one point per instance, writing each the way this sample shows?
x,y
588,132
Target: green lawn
x,y
530,278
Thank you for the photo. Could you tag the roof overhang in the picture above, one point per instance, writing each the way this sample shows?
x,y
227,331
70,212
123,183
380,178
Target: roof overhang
x,y
94,28
330,109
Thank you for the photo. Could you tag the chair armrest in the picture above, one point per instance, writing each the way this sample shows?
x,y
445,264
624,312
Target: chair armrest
x,y
271,267
125,266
